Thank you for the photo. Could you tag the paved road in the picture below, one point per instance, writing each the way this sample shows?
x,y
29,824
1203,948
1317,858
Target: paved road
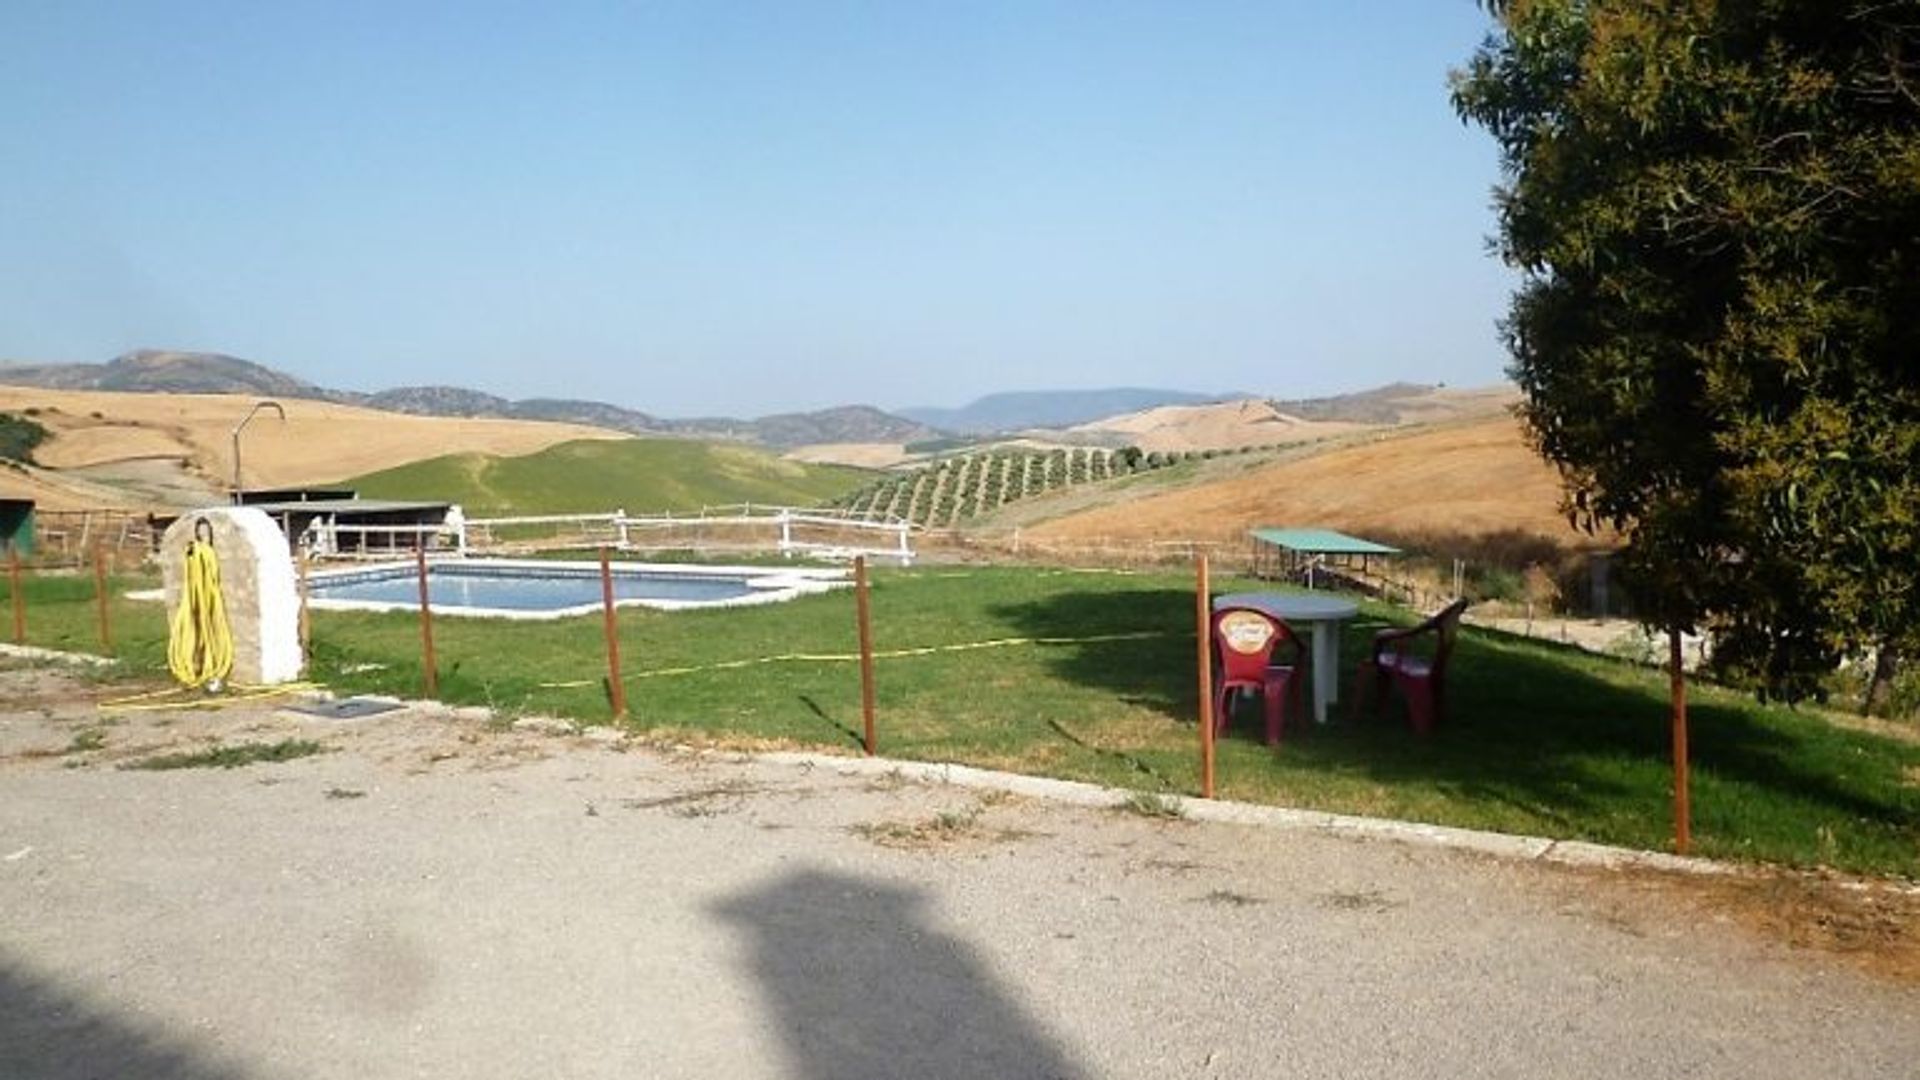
x,y
566,910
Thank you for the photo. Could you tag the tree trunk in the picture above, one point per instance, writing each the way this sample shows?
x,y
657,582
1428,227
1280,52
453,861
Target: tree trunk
x,y
1885,664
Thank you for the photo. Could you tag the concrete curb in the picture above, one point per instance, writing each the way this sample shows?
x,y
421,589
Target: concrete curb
x,y
1219,811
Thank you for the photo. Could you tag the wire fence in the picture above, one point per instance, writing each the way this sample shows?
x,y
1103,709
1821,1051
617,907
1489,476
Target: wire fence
x,y
75,538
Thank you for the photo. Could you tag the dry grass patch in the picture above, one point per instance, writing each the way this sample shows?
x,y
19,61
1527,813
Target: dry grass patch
x,y
1873,925
947,828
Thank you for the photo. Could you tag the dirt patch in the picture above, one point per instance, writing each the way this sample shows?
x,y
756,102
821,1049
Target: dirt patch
x,y
1371,900
948,828
723,798
1872,925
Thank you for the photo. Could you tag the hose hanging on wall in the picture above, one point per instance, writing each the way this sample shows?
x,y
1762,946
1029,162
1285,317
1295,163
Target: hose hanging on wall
x,y
200,645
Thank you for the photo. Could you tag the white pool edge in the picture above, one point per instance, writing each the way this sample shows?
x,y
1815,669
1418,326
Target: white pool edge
x,y
771,585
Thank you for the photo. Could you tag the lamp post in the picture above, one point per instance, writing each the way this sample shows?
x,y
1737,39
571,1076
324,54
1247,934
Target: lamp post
x,y
275,406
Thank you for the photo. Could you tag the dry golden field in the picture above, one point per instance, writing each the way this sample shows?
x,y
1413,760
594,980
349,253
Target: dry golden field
x,y
100,440
1471,479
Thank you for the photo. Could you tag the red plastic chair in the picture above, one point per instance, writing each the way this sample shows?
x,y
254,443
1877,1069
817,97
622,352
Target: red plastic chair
x,y
1244,642
1421,680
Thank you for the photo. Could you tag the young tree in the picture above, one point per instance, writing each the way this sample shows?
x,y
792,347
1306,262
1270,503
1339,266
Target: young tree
x,y
1716,208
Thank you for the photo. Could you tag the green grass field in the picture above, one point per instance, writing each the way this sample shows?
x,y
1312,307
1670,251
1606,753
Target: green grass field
x,y
595,475
1090,676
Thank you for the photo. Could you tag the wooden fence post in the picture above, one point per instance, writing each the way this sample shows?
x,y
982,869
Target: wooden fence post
x,y
19,598
1203,614
863,615
432,675
617,688
1682,808
100,591
306,615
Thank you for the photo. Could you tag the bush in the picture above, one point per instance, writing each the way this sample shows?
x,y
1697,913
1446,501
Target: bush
x,y
1495,583
18,437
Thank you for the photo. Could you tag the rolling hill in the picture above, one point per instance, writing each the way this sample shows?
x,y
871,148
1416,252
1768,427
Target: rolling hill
x,y
169,450
1472,479
597,476
1223,426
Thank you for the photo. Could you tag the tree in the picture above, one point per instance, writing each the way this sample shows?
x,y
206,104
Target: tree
x,y
1715,205
18,436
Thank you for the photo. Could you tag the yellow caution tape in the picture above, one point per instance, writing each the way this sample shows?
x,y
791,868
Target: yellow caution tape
x,y
186,698
847,658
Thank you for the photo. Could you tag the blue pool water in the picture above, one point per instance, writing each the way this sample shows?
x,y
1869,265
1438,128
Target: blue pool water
x,y
555,588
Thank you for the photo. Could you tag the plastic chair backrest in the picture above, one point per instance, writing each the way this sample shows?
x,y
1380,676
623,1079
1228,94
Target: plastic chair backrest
x,y
1244,639
1447,624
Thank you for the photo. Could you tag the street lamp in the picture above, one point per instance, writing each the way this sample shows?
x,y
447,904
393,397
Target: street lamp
x,y
275,406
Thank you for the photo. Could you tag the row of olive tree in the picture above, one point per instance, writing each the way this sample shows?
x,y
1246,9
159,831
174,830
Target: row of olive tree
x,y
1716,209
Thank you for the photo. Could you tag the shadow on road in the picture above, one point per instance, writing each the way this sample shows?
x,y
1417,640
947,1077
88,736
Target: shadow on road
x,y
865,988
49,1032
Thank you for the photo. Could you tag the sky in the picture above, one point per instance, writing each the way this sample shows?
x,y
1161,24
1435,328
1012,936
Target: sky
x,y
735,208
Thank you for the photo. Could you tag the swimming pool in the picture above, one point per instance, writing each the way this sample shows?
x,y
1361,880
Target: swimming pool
x,y
534,589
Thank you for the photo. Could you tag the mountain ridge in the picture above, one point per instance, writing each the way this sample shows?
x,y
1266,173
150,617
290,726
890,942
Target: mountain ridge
x,y
173,371
1019,410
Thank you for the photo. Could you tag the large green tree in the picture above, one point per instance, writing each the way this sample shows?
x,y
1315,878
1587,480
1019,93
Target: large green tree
x,y
1715,206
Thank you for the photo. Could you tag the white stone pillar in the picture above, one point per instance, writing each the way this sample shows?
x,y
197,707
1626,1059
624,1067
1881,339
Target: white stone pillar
x,y
256,583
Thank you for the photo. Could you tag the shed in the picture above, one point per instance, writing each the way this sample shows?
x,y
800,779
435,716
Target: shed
x,y
1287,552
353,525
16,525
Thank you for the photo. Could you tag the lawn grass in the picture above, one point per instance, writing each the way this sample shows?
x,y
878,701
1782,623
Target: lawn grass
x,y
1540,739
62,613
640,475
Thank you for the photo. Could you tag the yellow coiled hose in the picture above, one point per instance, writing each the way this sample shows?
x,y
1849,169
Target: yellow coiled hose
x,y
200,646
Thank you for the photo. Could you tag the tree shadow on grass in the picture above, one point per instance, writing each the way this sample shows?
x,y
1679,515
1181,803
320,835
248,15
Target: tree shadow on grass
x,y
1145,671
1527,725
51,1032
865,987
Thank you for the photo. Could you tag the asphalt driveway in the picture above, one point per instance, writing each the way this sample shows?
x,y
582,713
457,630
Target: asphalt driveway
x,y
433,897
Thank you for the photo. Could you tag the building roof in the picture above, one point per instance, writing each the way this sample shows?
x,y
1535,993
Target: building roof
x,y
328,507
1321,542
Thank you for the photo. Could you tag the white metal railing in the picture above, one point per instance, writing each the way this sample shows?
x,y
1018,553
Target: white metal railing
x,y
740,527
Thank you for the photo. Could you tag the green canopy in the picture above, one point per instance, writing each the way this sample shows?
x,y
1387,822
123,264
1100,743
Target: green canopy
x,y
1321,542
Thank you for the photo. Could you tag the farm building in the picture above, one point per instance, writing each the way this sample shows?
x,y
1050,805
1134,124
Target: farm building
x,y
339,522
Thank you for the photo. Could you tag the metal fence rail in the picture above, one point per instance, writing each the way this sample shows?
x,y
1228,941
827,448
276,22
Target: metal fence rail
x,y
742,528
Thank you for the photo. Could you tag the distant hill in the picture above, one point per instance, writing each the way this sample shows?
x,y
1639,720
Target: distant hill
x,y
458,401
163,371
597,413
438,401
637,475
848,423
157,370
1402,403
1020,410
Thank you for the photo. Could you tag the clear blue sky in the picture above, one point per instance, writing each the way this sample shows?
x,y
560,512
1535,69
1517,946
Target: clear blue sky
x,y
713,207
